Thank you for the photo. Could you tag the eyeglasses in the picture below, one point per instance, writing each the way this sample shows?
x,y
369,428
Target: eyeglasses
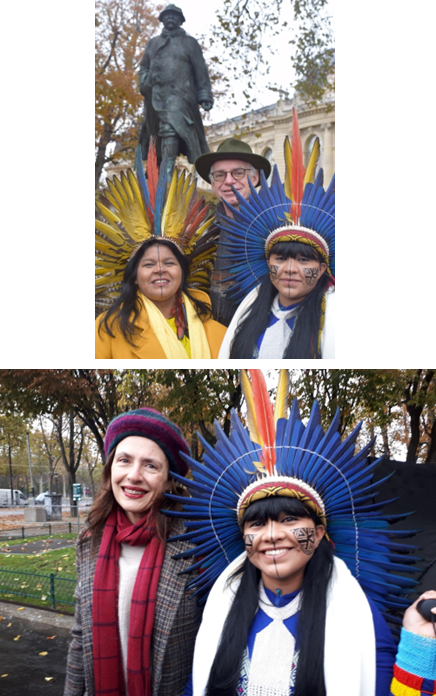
x,y
237,174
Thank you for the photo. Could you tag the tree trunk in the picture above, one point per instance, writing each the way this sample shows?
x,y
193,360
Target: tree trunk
x,y
101,152
431,454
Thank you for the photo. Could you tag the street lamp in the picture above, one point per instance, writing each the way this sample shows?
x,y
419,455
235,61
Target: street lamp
x,y
56,475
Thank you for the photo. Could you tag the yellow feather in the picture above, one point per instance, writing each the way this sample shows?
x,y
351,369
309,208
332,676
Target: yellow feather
x,y
116,195
251,411
309,176
107,213
288,163
126,186
281,404
110,232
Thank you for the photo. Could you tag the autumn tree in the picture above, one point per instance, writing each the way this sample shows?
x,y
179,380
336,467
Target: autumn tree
x,y
123,27
13,428
382,399
92,394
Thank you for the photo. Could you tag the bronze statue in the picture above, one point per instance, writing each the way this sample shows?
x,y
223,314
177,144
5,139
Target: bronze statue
x,y
174,80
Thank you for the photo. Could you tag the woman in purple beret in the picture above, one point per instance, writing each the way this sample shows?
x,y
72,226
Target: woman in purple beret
x,y
135,625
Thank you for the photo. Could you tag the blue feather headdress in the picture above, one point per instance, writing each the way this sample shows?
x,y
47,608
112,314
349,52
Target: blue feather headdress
x,y
278,455
300,210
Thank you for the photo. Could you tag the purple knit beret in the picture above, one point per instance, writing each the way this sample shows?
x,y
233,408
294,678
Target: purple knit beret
x,y
147,422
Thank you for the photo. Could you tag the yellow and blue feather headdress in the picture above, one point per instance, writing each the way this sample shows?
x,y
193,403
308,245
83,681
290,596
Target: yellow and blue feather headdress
x,y
278,455
134,209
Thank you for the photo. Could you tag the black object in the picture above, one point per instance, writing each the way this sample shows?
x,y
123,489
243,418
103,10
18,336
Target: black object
x,y
424,607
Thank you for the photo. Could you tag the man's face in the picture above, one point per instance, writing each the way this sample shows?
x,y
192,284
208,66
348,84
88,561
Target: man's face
x,y
223,189
171,20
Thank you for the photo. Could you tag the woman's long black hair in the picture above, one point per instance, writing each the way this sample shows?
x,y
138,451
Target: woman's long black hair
x,y
127,307
225,671
304,341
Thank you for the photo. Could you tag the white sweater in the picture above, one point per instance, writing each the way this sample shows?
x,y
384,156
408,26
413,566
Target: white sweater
x,y
130,558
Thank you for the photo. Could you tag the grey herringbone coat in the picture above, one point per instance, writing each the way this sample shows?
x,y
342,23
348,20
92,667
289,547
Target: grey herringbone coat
x,y
176,623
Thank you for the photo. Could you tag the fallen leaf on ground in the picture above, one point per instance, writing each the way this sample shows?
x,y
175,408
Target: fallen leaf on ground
x,y
43,653
17,637
44,597
48,678
20,608
4,675
50,637
9,624
59,569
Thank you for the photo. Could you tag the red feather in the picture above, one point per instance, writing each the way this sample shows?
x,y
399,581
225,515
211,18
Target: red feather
x,y
298,170
152,172
264,418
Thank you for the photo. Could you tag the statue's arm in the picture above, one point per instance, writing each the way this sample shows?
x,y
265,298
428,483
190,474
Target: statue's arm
x,y
201,76
144,69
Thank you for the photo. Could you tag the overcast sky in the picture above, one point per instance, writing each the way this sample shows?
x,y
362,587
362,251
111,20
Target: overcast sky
x,y
203,23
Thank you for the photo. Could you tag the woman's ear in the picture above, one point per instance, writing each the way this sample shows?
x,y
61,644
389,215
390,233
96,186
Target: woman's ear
x,y
323,268
319,533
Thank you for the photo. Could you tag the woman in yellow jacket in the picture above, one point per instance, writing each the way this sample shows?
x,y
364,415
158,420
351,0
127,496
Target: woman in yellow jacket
x,y
156,315
154,254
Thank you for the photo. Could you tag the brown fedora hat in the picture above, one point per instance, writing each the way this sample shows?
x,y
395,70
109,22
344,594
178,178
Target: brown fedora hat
x,y
232,148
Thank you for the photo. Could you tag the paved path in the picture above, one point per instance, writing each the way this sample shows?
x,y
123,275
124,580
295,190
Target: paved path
x,y
39,631
33,547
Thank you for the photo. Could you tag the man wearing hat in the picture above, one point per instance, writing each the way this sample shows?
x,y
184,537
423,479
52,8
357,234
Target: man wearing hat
x,y
174,80
230,167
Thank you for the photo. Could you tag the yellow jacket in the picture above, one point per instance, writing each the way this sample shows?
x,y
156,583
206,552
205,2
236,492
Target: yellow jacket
x,y
147,345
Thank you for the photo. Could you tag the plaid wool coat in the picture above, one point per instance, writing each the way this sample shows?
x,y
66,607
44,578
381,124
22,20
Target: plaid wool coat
x,y
176,623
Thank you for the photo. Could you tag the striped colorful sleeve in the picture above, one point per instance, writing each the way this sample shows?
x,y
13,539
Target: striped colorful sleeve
x,y
415,668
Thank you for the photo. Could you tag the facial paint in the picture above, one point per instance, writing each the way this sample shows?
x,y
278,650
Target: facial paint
x,y
159,267
311,275
248,539
273,270
306,538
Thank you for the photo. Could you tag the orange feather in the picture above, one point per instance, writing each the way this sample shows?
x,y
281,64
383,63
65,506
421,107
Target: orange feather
x,y
298,169
264,418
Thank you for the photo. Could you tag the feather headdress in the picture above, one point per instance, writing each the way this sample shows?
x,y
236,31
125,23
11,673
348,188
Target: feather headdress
x,y
300,210
134,209
278,455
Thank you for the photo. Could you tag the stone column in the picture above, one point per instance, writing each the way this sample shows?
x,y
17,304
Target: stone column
x,y
328,158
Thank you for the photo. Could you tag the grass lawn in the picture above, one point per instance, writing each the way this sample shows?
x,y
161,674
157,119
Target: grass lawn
x,y
36,583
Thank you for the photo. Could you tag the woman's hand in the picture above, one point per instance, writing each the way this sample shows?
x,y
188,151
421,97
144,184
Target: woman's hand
x,y
414,622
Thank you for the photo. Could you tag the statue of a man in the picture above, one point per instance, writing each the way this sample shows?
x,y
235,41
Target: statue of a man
x,y
174,80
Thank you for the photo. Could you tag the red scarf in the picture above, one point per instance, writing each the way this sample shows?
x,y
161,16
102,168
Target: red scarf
x,y
108,668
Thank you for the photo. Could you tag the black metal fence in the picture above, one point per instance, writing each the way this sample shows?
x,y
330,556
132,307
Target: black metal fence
x,y
47,529
50,590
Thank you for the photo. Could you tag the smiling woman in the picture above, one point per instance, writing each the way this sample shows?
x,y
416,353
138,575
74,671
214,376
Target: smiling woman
x,y
299,561
135,626
283,249
154,254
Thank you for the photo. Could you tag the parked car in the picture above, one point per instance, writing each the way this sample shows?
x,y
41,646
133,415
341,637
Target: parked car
x,y
39,500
